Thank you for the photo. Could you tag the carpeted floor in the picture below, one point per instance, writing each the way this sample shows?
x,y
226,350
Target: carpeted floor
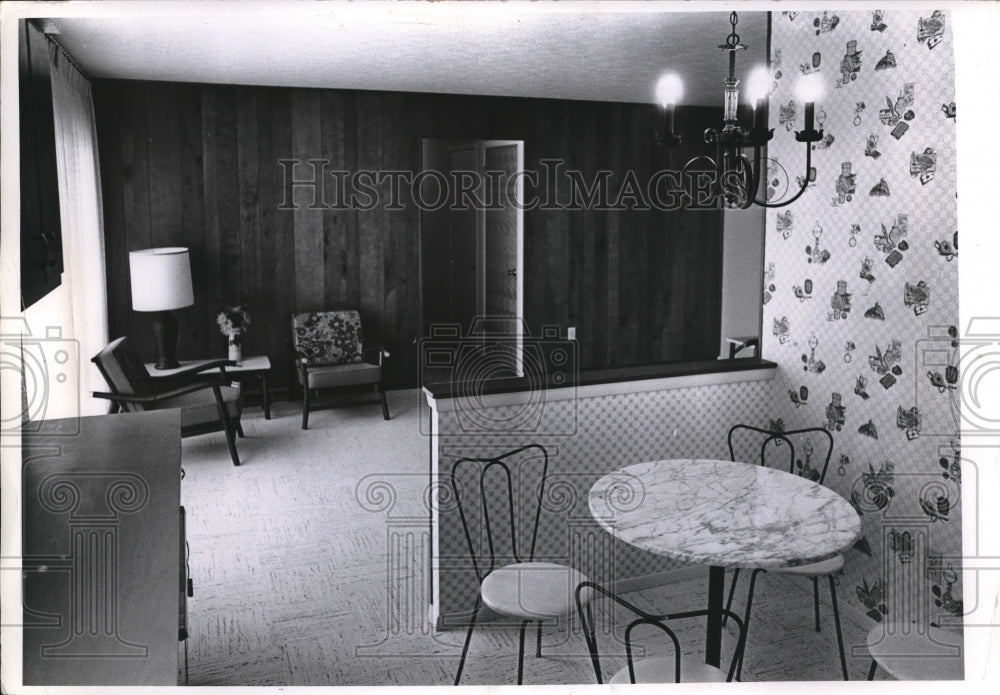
x,y
308,567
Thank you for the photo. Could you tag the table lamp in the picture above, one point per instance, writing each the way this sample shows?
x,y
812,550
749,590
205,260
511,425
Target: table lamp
x,y
161,282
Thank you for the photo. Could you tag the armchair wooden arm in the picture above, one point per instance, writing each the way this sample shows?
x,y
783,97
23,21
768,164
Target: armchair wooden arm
x,y
304,363
382,352
157,397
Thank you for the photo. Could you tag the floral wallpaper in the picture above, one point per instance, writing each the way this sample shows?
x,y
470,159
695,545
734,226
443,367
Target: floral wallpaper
x,y
861,291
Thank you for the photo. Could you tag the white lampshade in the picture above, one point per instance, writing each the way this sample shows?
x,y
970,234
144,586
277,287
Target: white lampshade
x,y
161,279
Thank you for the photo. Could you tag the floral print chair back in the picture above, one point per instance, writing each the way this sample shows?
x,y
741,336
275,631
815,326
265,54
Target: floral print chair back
x,y
330,355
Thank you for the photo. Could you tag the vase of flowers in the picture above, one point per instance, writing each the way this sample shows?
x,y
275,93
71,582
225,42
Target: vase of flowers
x,y
233,322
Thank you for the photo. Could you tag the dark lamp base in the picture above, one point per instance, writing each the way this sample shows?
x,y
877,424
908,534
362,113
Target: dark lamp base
x,y
165,335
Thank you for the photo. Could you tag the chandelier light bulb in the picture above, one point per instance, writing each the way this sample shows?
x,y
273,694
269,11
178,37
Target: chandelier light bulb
x,y
669,90
809,88
758,84
739,164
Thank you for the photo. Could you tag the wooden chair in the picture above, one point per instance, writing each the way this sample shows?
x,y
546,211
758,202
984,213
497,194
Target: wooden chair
x,y
653,669
207,402
738,344
524,589
817,570
329,353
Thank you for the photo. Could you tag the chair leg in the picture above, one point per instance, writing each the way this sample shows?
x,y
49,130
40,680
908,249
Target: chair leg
x,y
746,620
520,652
871,670
816,601
468,639
305,407
732,590
227,425
239,429
385,405
590,635
538,642
836,624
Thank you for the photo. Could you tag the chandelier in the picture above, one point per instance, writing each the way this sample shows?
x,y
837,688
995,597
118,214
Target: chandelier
x,y
734,175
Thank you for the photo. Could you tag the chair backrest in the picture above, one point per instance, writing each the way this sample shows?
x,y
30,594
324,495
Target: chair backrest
x,y
806,465
328,337
501,512
643,618
123,369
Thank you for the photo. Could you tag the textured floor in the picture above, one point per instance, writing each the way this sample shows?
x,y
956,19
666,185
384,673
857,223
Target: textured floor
x,y
308,569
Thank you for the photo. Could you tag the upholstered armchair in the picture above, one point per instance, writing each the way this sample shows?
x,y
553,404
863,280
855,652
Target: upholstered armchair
x,y
330,354
208,403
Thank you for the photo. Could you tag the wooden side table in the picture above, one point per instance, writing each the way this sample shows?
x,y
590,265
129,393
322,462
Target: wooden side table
x,y
255,365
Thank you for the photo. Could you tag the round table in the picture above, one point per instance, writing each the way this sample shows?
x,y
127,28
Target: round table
x,y
723,514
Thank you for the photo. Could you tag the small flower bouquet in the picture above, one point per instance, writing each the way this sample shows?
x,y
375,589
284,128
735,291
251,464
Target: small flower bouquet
x,y
233,321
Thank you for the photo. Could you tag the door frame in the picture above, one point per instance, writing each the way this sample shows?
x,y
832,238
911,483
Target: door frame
x,y
481,145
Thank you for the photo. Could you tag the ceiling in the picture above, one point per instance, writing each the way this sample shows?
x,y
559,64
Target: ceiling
x,y
602,52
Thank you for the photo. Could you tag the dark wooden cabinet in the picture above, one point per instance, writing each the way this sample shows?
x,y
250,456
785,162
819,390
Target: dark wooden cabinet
x,y
41,228
101,532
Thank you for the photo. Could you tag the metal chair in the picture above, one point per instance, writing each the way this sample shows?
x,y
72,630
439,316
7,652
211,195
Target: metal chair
x,y
658,669
825,568
329,353
907,654
207,402
524,589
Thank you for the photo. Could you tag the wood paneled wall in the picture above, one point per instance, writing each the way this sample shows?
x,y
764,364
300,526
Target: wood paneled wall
x,y
198,166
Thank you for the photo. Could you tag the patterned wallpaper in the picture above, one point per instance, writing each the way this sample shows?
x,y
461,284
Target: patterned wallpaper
x,y
861,290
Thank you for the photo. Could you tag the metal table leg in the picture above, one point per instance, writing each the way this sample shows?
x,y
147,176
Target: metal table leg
x,y
713,635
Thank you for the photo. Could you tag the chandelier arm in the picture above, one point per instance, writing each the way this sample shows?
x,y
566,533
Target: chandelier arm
x,y
756,169
751,180
690,163
805,185
720,168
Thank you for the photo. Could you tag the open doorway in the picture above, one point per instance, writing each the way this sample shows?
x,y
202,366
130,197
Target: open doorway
x,y
471,243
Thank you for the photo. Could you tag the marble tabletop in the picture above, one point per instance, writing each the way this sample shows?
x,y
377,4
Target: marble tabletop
x,y
723,513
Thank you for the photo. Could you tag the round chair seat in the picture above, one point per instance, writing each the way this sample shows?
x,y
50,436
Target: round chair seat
x,y
814,569
661,670
933,655
533,590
